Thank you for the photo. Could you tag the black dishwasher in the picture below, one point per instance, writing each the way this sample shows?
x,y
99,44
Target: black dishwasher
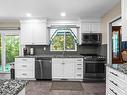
x,y
43,68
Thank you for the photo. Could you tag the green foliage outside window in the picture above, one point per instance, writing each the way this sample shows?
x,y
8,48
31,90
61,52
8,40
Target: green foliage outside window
x,y
58,42
70,42
12,48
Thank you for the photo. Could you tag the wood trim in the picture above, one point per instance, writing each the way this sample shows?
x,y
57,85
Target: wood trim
x,y
119,58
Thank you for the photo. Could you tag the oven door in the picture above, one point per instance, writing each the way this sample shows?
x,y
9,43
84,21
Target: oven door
x,y
94,69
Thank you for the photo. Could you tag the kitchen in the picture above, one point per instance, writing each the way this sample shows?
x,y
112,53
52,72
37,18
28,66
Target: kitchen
x,y
64,54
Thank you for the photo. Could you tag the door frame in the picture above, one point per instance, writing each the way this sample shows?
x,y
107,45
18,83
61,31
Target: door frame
x,y
3,33
109,38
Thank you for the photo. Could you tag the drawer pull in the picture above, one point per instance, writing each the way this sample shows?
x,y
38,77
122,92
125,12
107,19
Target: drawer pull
x,y
24,59
79,68
79,64
79,60
113,92
24,74
24,65
113,73
78,74
113,83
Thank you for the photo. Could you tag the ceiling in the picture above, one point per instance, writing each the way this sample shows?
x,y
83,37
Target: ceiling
x,y
75,9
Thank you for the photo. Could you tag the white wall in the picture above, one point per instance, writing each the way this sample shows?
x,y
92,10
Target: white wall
x,y
124,20
117,23
110,16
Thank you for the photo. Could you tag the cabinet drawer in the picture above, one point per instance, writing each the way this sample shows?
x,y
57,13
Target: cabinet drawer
x,y
79,70
24,73
79,64
79,75
24,60
115,91
79,60
116,74
118,83
24,66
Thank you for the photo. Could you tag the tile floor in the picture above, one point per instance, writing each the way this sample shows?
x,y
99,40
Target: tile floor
x,y
43,88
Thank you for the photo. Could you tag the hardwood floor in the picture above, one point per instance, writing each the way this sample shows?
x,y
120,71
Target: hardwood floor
x,y
44,88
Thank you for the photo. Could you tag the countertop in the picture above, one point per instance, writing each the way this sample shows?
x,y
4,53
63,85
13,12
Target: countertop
x,y
11,87
52,56
120,67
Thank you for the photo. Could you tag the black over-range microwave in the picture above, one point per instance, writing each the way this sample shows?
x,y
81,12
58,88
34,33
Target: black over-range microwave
x,y
91,38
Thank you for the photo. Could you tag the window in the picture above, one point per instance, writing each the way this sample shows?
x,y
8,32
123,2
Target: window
x,y
63,39
9,49
12,50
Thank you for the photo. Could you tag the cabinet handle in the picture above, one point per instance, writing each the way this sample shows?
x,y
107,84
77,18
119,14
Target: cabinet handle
x,y
113,92
113,83
79,60
24,65
63,63
24,74
24,59
79,64
79,68
78,74
114,74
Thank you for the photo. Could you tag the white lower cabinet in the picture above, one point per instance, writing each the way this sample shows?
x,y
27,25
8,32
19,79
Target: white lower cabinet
x,y
67,68
68,71
115,82
78,68
25,68
57,68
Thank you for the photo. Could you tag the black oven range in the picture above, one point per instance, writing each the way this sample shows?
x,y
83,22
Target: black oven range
x,y
94,68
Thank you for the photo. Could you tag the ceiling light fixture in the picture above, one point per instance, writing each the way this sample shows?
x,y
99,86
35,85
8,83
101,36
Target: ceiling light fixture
x,y
63,14
28,15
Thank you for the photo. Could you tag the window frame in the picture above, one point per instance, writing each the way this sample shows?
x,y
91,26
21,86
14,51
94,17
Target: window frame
x,y
3,34
64,41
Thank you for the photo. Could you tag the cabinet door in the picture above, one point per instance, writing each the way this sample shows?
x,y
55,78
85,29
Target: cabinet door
x,y
57,68
85,27
68,68
26,33
95,27
39,33
34,32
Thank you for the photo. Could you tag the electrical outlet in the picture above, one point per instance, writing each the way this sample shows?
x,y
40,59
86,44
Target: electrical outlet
x,y
44,48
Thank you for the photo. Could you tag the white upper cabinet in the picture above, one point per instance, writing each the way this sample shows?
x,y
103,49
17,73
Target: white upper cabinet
x,y
34,32
26,33
95,27
90,27
124,20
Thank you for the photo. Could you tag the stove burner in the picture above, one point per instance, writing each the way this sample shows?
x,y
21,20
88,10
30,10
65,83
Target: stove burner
x,y
93,57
